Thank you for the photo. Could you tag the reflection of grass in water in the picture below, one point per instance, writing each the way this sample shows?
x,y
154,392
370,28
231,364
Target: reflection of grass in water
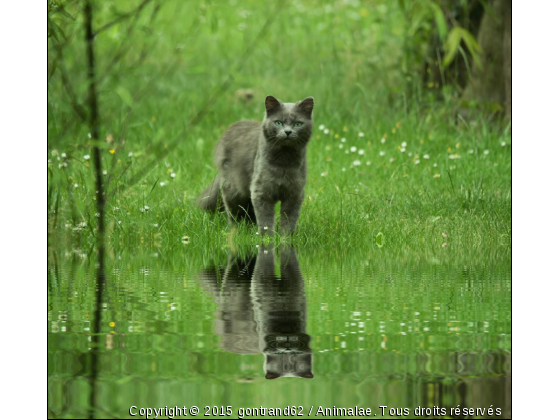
x,y
414,174
452,297
158,330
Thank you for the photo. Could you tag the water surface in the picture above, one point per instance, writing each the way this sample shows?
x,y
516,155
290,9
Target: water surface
x,y
278,328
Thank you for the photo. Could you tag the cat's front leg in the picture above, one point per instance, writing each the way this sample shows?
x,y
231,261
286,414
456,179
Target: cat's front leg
x,y
289,212
264,211
289,262
264,265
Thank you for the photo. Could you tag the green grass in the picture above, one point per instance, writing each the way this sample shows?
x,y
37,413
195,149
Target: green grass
x,y
350,58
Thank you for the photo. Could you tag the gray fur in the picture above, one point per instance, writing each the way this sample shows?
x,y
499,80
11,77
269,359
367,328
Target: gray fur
x,y
280,308
231,290
260,164
261,312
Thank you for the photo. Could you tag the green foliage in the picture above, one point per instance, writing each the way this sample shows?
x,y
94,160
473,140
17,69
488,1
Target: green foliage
x,y
160,81
407,219
423,15
124,95
453,44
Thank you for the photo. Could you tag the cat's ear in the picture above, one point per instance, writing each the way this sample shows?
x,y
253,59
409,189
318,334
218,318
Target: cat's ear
x,y
272,105
270,376
306,106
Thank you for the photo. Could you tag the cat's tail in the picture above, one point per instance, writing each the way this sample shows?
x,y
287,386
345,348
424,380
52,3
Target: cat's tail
x,y
208,199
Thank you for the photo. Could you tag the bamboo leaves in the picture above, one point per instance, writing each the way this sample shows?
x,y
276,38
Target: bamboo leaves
x,y
453,45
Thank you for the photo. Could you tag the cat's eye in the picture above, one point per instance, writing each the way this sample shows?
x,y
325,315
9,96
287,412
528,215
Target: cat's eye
x,y
278,123
298,124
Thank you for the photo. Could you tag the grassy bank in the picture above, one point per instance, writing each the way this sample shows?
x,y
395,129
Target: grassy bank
x,y
389,165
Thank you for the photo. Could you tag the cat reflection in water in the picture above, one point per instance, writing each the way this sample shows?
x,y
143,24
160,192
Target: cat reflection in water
x,y
261,312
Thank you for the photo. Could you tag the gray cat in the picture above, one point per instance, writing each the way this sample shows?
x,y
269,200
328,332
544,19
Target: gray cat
x,y
261,312
280,308
235,318
260,164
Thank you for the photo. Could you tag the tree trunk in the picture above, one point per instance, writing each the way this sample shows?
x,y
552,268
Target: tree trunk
x,y
489,86
507,59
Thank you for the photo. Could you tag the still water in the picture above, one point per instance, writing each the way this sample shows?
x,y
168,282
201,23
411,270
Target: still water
x,y
279,329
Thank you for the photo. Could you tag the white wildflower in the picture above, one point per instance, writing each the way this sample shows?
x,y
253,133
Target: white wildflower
x,y
353,149
361,152
357,163
360,134
426,156
382,153
87,157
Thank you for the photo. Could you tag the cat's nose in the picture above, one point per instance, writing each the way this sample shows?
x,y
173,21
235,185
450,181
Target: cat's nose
x,y
288,132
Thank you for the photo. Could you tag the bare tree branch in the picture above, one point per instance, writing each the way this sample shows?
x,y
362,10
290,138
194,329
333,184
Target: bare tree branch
x,y
94,129
205,108
135,13
124,130
76,106
126,46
